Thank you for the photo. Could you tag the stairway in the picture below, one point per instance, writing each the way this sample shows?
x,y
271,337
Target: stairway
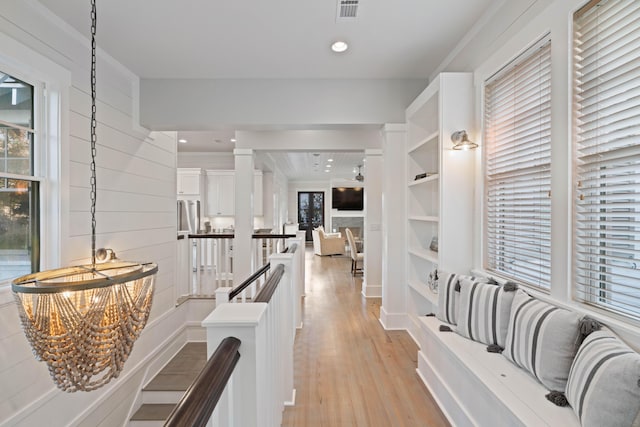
x,y
163,392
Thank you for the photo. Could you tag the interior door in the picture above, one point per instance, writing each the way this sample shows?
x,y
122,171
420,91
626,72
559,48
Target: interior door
x,y
310,211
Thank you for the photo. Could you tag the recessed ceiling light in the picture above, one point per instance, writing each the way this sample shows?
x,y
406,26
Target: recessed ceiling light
x,y
232,140
182,141
327,170
339,46
327,166
329,160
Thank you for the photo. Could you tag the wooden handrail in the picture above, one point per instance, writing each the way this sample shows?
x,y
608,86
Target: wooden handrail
x,y
232,235
199,401
265,294
242,286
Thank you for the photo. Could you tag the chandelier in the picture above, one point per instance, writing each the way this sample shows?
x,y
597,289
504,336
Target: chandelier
x,y
82,321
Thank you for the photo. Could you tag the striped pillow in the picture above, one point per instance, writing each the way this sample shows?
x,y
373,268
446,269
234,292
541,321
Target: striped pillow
x,y
542,339
448,296
604,382
484,312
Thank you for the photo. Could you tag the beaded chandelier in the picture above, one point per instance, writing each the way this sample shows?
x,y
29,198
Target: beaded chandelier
x,y
82,321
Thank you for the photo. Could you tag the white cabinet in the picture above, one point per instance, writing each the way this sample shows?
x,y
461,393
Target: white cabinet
x,y
221,193
439,185
190,182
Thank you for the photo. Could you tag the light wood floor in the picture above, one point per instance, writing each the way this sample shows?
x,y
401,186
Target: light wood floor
x,y
349,371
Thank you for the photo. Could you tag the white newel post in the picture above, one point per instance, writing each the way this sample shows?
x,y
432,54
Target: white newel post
x,y
298,279
247,323
286,303
302,236
243,214
222,295
263,377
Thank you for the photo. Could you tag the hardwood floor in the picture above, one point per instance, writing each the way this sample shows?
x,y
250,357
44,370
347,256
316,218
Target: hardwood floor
x,y
349,371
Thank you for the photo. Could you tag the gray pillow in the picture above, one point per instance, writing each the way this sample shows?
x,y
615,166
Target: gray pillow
x,y
542,339
604,382
448,295
484,311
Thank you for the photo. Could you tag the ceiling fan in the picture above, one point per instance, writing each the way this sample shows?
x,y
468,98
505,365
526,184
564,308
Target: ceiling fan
x,y
359,177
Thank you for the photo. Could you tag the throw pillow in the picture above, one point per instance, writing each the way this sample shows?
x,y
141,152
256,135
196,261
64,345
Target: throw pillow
x,y
604,382
484,311
448,295
542,339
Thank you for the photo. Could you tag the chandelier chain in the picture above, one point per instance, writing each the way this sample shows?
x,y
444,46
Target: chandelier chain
x,y
93,132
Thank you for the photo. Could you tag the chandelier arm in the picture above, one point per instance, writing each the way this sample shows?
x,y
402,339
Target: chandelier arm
x,y
94,137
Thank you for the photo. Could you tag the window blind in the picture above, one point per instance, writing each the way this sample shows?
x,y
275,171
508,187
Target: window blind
x,y
517,136
607,155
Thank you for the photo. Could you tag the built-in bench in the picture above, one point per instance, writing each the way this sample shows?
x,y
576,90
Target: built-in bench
x,y
477,388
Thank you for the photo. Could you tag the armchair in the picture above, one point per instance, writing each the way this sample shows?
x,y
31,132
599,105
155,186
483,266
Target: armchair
x,y
327,243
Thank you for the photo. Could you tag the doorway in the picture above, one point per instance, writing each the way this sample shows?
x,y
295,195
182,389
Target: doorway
x,y
310,211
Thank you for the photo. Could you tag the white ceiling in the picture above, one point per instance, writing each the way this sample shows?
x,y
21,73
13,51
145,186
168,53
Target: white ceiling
x,y
209,141
311,166
275,38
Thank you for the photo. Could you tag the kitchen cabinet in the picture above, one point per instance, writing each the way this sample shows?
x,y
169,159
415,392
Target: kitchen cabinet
x,y
190,182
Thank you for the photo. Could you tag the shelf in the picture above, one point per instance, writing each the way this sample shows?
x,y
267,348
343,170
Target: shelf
x,y
424,290
424,218
430,178
433,137
425,254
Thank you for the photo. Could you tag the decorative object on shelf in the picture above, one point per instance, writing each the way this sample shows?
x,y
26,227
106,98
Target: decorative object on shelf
x,y
434,244
432,280
82,321
424,175
461,141
359,177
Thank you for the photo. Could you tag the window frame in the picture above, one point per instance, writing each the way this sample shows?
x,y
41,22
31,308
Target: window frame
x,y
524,55
589,302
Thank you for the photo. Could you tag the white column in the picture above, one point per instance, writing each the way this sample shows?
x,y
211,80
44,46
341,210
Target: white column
x,y
298,278
244,215
394,281
372,282
268,199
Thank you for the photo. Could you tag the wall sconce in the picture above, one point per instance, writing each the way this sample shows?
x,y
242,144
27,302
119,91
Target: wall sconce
x,y
461,141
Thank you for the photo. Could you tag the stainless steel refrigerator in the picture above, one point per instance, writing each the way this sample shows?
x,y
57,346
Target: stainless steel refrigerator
x,y
189,216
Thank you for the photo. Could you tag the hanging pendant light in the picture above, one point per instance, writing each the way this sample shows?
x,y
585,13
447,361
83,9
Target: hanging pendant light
x,y
82,321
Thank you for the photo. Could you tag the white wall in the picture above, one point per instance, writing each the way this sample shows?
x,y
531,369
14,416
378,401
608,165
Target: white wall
x,y
210,104
135,213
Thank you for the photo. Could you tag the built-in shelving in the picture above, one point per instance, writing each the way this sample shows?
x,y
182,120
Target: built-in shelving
x,y
441,204
424,218
431,138
423,290
425,254
430,178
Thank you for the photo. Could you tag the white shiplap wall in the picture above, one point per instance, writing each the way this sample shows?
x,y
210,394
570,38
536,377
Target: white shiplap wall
x,y
136,217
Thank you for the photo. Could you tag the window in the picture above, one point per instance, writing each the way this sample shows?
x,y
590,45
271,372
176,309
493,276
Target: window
x,y
607,155
517,136
19,187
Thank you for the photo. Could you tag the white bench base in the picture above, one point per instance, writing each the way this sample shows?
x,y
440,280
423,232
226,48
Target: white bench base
x,y
476,388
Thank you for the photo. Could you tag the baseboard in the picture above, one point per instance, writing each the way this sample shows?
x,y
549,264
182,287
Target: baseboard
x,y
393,321
369,291
292,402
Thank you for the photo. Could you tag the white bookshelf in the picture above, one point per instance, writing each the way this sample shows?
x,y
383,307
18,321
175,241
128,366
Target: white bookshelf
x,y
440,204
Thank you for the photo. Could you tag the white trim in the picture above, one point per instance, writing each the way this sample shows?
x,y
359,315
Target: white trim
x,y
392,321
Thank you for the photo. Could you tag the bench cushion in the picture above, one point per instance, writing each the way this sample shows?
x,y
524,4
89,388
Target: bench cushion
x,y
484,312
542,339
449,295
604,382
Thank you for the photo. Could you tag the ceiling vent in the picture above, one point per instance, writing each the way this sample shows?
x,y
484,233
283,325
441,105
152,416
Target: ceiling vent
x,y
347,10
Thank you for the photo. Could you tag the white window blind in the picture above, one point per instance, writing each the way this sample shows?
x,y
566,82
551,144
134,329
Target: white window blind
x,y
517,136
607,155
